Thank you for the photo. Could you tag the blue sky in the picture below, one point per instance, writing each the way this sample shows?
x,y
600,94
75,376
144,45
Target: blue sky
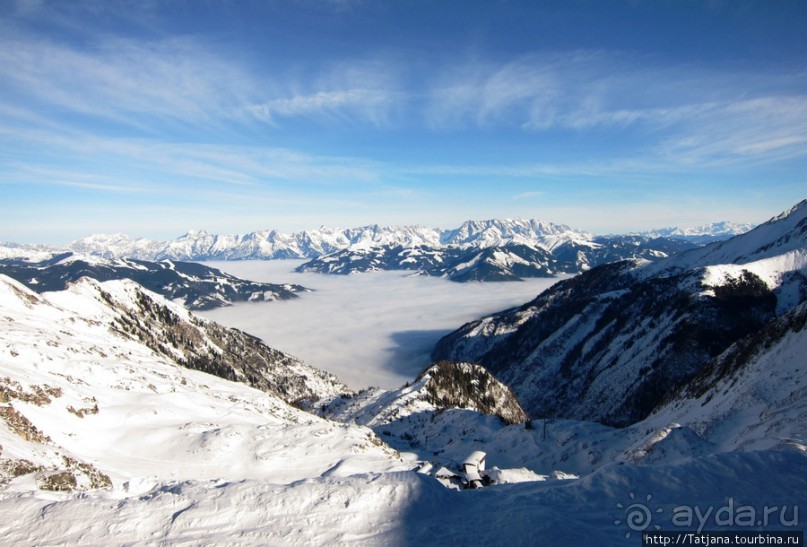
x,y
154,117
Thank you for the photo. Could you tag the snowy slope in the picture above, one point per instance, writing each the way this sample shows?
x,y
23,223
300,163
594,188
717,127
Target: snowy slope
x,y
782,234
123,308
440,420
752,396
81,398
609,344
195,459
407,509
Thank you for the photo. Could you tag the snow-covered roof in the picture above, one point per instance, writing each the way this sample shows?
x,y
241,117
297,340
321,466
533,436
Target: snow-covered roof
x,y
476,458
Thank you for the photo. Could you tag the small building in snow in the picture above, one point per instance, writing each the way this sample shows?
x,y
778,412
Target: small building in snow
x,y
473,469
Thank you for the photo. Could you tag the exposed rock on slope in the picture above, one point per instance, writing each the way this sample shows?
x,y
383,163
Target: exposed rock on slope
x,y
442,416
203,345
441,386
609,344
127,309
462,385
754,394
92,393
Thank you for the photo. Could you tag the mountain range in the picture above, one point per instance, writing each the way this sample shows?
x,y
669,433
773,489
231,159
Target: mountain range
x,y
502,262
491,250
196,286
706,233
272,244
200,245
634,386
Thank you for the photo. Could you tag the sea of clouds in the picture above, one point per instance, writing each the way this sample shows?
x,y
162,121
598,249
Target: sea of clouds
x,y
369,329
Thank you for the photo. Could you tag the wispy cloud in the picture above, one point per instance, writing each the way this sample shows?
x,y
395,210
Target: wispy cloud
x,y
529,195
97,101
342,105
359,91
686,115
559,170
124,81
124,164
73,179
146,83
530,91
768,128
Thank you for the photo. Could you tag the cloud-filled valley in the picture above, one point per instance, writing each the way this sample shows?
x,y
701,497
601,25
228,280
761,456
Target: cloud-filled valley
x,y
375,328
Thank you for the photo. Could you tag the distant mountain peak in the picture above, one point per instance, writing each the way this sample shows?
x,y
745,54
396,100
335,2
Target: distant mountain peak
x,y
784,233
268,244
721,229
196,233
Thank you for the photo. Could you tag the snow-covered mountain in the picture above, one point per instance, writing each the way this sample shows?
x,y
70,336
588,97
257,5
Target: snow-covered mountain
x,y
269,244
196,286
200,245
456,263
611,343
490,250
508,262
702,234
781,241
497,233
98,390
109,436
266,244
124,310
125,419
